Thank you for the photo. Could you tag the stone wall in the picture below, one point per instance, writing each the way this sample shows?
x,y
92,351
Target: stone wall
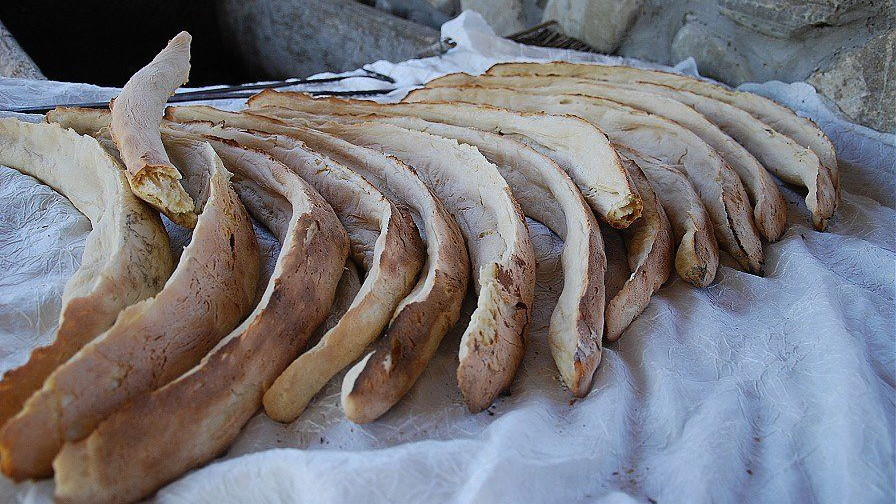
x,y
297,38
843,47
14,62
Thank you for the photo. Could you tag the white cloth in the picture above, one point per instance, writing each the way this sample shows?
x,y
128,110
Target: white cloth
x,y
761,389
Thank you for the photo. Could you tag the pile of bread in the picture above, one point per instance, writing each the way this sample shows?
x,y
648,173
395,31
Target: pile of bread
x,y
157,364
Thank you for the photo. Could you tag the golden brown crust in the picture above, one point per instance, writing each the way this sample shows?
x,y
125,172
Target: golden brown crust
x,y
582,150
339,347
494,343
126,256
155,340
803,154
432,307
155,438
374,387
385,240
136,114
575,341
648,244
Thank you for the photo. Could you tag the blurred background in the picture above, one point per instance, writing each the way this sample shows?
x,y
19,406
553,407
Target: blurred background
x,y
845,48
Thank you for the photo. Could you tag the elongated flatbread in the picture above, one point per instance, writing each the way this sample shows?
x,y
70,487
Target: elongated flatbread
x,y
136,114
697,256
500,251
160,435
780,154
546,194
769,206
718,185
582,150
649,240
126,256
153,341
420,321
392,259
648,244
791,146
382,237
651,246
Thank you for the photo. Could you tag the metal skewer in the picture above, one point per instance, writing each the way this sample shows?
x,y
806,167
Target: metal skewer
x,y
235,91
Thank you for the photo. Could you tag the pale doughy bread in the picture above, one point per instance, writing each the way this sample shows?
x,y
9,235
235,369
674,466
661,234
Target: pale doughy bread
x,y
582,150
545,193
500,252
648,244
719,187
697,257
769,206
792,147
136,113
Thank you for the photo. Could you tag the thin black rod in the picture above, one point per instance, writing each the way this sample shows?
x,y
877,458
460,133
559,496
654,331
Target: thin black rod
x,y
236,91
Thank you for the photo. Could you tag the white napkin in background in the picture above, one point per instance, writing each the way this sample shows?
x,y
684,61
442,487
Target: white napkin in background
x,y
761,389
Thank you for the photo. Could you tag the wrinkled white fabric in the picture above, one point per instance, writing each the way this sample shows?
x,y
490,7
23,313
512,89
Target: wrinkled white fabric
x,y
759,389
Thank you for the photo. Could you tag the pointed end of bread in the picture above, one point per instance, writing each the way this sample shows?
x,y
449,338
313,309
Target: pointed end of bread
x,y
356,411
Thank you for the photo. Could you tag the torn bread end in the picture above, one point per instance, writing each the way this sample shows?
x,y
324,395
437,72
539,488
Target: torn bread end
x,y
160,187
623,216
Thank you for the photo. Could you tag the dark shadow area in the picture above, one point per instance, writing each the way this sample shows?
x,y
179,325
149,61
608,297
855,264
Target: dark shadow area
x,y
105,42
